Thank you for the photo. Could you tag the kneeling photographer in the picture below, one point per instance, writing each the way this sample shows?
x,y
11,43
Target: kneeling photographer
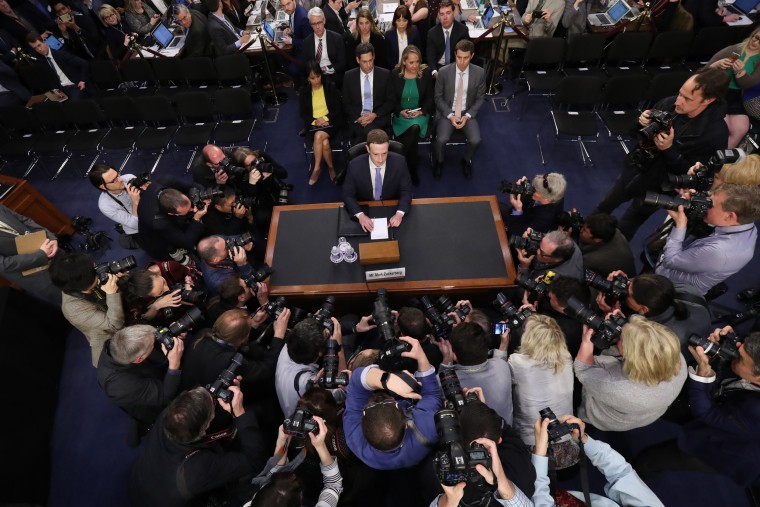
x,y
536,204
223,258
537,254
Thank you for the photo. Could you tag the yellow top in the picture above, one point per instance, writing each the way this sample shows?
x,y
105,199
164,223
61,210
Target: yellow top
x,y
319,104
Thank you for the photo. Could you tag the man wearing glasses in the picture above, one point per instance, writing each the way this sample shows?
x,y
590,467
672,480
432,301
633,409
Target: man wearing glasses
x,y
197,39
324,47
118,201
557,252
540,210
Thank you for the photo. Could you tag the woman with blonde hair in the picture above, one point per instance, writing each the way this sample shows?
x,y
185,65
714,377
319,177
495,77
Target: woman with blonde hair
x,y
542,374
631,391
365,31
744,172
118,33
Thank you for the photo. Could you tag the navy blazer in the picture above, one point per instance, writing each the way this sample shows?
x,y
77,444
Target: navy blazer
x,y
425,87
224,40
335,51
397,183
383,99
436,43
391,44
301,28
75,68
335,22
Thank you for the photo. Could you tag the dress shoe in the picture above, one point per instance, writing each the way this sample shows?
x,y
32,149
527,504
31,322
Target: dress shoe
x,y
467,168
437,170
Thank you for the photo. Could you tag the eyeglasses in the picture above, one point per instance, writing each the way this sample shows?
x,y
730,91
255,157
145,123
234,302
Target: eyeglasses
x,y
317,23
113,180
109,16
543,253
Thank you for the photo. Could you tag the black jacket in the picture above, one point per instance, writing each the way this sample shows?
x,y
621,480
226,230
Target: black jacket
x,y
141,390
425,87
334,104
198,40
383,98
540,218
335,22
610,256
377,41
335,52
436,43
75,68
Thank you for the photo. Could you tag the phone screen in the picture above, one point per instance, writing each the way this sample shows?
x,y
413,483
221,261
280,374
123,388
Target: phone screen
x,y
54,42
499,328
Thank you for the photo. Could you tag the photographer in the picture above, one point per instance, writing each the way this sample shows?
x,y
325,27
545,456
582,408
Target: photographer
x,y
743,172
235,293
134,374
705,262
118,201
218,262
297,366
540,210
228,215
170,224
561,290
95,310
468,345
207,169
178,466
604,247
623,393
378,431
696,132
557,252
623,486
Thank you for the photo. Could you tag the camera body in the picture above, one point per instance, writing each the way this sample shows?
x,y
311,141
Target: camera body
x,y
195,297
275,308
446,306
139,180
300,424
726,350
114,268
238,241
694,208
536,287
456,462
452,390
704,176
606,332
571,220
165,335
220,387
231,170
197,197
324,315
557,430
258,276
524,189
441,322
248,202
529,244
613,291
509,312
331,377
659,121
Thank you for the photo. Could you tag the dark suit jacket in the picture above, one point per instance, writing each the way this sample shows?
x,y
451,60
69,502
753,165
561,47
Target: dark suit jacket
x,y
75,68
9,79
115,39
332,97
397,183
391,45
444,90
425,87
198,41
436,43
224,39
301,28
377,41
335,52
541,218
383,99
335,22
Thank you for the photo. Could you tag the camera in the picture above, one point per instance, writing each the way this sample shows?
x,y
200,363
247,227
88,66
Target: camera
x,y
557,430
231,170
537,15
509,313
606,332
247,202
93,240
259,276
613,291
219,389
703,177
282,197
455,462
331,377
571,220
382,316
726,350
238,241
446,306
114,268
275,308
197,197
165,335
262,166
694,208
529,244
139,180
389,358
195,297
539,287
323,316
300,424
452,390
524,189
442,323
659,121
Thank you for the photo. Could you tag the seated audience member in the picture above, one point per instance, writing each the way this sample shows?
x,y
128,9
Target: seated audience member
x,y
460,90
226,37
604,247
280,487
169,223
13,92
326,48
744,172
655,297
400,35
119,35
623,485
297,366
235,12
542,374
118,201
502,490
133,373
18,21
93,308
420,11
320,106
64,71
179,463
141,16
705,262
13,264
443,38
336,14
469,345
413,88
379,175
623,394
541,210
298,28
197,38
575,16
557,252
365,32
723,435
543,25
228,216
561,290
79,30
377,429
367,96
219,262
149,294
459,15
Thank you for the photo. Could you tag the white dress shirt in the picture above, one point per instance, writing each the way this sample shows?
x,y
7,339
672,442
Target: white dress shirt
x,y
403,42
65,81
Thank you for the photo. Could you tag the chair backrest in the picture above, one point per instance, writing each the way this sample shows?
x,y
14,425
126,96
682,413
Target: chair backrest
x,y
670,46
84,113
358,149
19,119
104,74
194,106
168,71
629,47
665,84
711,39
622,90
120,109
51,115
138,69
199,71
233,102
234,69
578,91
584,49
544,52
156,109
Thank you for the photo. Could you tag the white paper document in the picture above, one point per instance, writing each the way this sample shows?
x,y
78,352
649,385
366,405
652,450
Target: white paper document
x,y
380,230
389,8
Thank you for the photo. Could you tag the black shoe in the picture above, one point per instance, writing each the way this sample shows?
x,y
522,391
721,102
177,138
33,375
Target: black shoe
x,y
467,168
437,170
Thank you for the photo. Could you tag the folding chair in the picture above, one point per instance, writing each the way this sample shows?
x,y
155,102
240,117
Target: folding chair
x,y
584,54
58,132
235,111
139,72
23,133
126,127
197,121
91,126
668,52
169,76
199,72
160,126
541,66
105,78
664,85
619,105
627,52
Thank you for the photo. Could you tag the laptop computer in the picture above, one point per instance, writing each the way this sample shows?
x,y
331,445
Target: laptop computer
x,y
485,18
164,37
274,34
742,8
271,9
609,18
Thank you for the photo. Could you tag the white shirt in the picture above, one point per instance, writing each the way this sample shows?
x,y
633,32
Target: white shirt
x,y
65,81
324,61
402,43
442,61
466,79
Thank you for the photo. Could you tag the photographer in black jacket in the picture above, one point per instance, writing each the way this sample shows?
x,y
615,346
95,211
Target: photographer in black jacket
x,y
695,133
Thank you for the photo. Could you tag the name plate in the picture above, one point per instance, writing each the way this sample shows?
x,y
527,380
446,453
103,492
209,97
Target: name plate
x,y
385,274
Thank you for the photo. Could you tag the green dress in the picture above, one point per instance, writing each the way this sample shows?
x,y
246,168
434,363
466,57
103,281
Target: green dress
x,y
410,99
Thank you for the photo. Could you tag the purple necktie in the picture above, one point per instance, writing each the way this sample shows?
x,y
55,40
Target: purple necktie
x,y
378,184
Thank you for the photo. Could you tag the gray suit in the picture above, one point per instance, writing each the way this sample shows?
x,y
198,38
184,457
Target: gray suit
x,y
12,264
445,85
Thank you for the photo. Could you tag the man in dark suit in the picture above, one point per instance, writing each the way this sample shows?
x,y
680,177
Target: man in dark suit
x,y
336,17
227,38
14,93
298,26
197,40
443,37
379,175
64,71
325,47
460,90
366,109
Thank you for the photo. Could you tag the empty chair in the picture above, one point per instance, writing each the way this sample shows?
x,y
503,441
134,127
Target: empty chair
x,y
104,78
233,70
91,127
234,108
23,132
627,52
58,132
668,52
541,66
160,126
138,71
125,123
584,54
169,76
198,121
199,72
619,105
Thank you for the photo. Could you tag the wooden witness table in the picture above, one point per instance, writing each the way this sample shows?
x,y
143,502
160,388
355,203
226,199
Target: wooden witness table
x,y
447,245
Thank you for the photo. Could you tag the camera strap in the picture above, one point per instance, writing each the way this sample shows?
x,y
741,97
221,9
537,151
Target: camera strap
x,y
408,379
297,381
584,472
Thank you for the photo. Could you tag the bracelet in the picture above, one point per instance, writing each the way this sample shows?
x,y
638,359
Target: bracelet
x,y
353,329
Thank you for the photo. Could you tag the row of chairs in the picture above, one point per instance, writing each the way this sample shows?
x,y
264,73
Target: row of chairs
x,y
151,123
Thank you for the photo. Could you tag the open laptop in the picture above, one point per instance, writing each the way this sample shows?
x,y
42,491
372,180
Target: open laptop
x,y
271,9
615,13
742,8
485,19
164,37
274,34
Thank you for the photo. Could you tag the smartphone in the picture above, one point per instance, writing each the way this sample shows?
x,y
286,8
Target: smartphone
x,y
734,56
65,18
499,328
414,110
54,42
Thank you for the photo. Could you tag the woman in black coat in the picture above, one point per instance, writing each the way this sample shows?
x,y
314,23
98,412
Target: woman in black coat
x,y
365,31
117,32
320,107
401,34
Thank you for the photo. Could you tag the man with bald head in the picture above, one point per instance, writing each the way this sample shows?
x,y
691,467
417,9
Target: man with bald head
x,y
206,169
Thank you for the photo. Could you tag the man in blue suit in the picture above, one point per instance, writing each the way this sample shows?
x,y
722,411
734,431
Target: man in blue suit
x,y
298,26
377,176
65,71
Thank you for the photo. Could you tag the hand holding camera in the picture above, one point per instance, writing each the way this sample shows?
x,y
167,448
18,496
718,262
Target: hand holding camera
x,y
174,356
234,407
170,299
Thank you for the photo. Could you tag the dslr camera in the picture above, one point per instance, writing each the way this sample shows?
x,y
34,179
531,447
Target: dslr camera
x,y
446,306
529,244
165,335
220,387
606,332
258,276
197,197
324,315
694,208
703,177
275,308
455,461
139,180
557,430
300,424
331,377
571,220
238,241
659,121
114,268
231,170
726,350
613,291
525,189
453,394
441,322
389,358
539,287
248,202
509,313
